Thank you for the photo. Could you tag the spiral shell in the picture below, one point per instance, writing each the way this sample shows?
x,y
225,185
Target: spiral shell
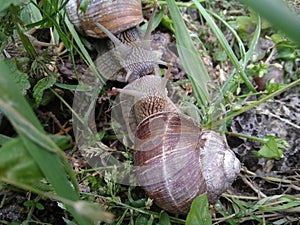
x,y
114,15
177,160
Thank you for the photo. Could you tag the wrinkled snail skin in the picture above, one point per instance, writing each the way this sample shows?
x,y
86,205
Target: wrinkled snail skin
x,y
177,160
117,20
142,98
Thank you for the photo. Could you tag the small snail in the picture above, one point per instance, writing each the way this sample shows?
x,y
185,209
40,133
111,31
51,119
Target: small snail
x,y
176,158
132,49
116,16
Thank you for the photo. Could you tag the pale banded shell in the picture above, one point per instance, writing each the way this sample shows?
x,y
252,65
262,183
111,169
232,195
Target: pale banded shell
x,y
114,15
177,160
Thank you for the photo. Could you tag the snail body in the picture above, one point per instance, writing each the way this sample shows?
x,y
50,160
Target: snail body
x,y
140,99
130,49
176,159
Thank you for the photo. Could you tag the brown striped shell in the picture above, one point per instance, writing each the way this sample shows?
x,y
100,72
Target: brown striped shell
x,y
177,160
114,15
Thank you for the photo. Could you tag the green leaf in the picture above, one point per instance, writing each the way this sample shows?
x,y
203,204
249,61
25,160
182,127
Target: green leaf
x,y
39,206
41,86
156,22
16,164
62,141
220,56
167,23
28,203
69,222
151,220
245,25
141,219
164,218
5,4
83,5
71,87
3,138
41,148
49,11
20,78
199,213
30,13
286,53
278,37
270,149
278,14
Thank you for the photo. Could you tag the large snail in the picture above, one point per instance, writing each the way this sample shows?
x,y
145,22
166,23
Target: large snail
x,y
118,20
176,158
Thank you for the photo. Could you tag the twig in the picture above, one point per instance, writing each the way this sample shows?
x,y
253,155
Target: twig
x,y
256,190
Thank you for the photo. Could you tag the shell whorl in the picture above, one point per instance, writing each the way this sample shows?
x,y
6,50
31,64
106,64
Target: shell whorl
x,y
116,16
177,160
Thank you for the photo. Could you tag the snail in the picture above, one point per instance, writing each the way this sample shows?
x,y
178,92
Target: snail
x,y
131,48
176,158
114,15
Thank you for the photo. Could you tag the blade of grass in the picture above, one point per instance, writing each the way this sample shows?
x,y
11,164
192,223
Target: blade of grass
x,y
48,161
232,30
84,208
230,85
51,18
26,42
253,42
225,45
27,128
82,50
174,220
156,22
189,56
64,37
264,99
34,134
278,14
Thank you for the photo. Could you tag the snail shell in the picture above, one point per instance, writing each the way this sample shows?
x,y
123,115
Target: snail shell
x,y
114,15
129,54
177,160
